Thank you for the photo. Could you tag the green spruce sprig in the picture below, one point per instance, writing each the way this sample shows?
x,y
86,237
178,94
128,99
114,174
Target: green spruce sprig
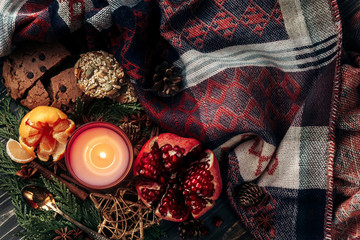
x,y
106,109
9,125
82,211
10,119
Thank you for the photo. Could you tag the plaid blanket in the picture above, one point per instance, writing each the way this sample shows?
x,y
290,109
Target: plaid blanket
x,y
261,86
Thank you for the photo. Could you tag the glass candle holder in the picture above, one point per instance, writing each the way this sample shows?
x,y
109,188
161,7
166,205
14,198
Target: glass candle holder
x,y
99,155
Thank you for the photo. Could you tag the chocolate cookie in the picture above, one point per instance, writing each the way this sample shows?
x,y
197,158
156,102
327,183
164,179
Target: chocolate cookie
x,y
28,64
36,96
64,90
38,74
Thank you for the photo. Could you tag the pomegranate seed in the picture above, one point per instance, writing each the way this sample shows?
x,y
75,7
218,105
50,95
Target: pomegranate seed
x,y
145,160
166,157
204,193
167,165
157,156
166,148
162,179
150,156
174,159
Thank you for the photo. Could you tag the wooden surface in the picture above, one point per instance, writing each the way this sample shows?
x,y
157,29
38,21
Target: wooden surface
x,y
8,223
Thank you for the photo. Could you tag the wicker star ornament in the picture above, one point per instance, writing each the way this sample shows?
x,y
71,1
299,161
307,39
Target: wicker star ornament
x,y
123,213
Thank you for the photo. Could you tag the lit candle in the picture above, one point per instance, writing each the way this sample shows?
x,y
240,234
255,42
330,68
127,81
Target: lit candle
x,y
99,155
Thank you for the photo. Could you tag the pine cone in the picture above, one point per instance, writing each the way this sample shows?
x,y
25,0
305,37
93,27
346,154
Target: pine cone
x,y
192,228
249,194
166,80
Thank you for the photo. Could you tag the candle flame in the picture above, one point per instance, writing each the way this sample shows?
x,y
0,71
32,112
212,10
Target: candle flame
x,y
103,155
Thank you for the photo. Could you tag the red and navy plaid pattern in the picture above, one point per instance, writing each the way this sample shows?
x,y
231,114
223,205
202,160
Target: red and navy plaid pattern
x,y
261,84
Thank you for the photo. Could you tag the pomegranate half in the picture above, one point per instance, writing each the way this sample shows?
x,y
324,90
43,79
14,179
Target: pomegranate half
x,y
176,177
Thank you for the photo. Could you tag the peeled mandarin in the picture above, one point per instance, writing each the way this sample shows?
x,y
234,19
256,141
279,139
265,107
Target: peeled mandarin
x,y
46,130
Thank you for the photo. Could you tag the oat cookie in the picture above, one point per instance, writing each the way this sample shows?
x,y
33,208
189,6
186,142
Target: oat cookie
x,y
99,75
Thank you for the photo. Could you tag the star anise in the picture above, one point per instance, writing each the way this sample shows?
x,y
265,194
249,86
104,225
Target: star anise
x,y
77,233
125,120
26,172
58,165
138,119
265,221
63,234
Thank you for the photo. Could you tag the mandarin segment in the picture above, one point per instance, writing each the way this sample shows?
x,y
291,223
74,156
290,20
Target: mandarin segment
x,y
16,153
61,137
59,151
66,125
29,148
61,126
47,144
43,156
46,130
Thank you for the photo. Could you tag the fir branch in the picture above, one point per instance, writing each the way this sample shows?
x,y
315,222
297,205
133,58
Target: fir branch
x,y
82,211
38,225
64,198
76,116
91,216
10,119
106,109
7,166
